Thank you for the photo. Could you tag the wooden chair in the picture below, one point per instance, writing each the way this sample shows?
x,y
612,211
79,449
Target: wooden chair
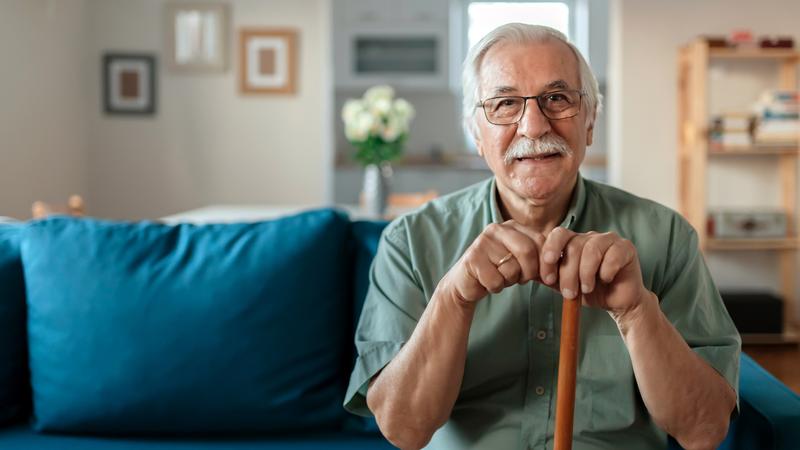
x,y
74,207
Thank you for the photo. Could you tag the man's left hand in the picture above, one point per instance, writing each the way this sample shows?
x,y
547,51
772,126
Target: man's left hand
x,y
603,268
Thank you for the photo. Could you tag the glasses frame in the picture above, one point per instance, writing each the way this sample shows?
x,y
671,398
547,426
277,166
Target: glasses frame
x,y
538,99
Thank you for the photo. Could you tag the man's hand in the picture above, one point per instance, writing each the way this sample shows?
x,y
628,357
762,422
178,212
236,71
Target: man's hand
x,y
487,267
602,267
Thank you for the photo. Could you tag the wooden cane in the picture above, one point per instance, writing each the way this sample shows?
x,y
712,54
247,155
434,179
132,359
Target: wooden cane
x,y
567,367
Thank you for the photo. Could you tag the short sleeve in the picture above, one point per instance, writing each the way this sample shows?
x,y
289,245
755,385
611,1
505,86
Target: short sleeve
x,y
395,301
691,301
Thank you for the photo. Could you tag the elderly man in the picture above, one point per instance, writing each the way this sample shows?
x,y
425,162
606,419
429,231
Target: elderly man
x,y
458,339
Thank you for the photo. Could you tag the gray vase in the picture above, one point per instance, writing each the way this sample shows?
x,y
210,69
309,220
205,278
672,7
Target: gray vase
x,y
377,185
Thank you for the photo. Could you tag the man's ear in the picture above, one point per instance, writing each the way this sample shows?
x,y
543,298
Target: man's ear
x,y
474,133
590,132
589,135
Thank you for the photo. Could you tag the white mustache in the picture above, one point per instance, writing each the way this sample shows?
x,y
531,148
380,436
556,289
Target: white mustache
x,y
527,148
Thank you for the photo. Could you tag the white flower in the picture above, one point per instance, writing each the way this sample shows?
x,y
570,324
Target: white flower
x,y
377,114
403,109
351,109
377,93
381,106
359,129
392,129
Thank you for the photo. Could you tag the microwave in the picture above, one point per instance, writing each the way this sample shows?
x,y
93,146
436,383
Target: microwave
x,y
405,60
401,43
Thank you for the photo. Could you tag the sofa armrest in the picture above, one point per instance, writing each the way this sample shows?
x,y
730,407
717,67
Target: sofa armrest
x,y
769,416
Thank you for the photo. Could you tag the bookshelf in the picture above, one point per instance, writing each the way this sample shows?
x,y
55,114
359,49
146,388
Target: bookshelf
x,y
695,155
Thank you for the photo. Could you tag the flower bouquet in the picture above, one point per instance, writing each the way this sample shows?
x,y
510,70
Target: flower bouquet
x,y
377,125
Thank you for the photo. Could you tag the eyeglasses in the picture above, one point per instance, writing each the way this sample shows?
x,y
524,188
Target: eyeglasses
x,y
554,105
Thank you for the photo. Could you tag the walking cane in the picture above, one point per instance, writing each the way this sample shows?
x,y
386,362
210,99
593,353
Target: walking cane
x,y
567,367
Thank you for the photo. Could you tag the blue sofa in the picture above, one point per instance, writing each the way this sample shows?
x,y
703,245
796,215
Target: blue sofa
x,y
144,335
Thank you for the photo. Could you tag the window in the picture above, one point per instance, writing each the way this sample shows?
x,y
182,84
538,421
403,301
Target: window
x,y
483,17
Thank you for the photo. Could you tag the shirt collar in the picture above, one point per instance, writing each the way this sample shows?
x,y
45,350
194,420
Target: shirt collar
x,y
576,206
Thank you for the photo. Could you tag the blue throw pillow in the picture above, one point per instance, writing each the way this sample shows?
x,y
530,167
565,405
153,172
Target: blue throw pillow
x,y
149,328
14,387
366,236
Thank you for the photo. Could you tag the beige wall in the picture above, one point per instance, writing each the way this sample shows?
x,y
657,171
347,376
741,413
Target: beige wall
x,y
645,37
208,144
42,124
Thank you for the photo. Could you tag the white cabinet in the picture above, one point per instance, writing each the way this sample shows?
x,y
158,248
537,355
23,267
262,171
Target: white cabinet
x,y
402,43
389,12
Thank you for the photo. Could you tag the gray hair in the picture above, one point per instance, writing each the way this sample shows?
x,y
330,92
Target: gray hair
x,y
521,33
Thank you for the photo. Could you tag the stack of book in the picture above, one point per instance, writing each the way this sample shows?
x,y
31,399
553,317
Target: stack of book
x,y
731,131
778,119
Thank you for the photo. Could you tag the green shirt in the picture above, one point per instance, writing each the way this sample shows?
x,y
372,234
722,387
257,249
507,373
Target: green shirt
x,y
507,397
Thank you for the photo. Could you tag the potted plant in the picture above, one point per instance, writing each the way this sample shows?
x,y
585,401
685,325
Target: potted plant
x,y
377,126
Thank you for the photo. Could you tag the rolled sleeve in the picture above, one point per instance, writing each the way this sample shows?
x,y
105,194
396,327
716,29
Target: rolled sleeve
x,y
395,301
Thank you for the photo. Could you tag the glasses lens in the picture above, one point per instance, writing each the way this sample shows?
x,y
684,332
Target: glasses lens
x,y
560,104
503,110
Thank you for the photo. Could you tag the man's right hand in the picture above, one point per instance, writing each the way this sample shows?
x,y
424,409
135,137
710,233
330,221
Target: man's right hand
x,y
486,266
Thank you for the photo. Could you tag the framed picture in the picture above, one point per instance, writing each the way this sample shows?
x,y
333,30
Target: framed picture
x,y
268,61
197,36
129,83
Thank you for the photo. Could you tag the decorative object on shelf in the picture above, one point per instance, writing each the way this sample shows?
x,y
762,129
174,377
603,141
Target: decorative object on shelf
x,y
778,118
745,39
197,36
759,312
267,61
732,224
731,131
74,207
129,83
377,125
742,38
786,42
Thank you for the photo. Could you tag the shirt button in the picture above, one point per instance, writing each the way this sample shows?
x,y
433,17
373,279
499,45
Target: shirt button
x,y
539,390
541,335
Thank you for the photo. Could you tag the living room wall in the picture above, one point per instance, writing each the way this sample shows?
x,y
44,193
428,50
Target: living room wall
x,y
645,37
644,42
208,144
42,124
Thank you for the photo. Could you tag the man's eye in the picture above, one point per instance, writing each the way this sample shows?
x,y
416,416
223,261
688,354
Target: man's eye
x,y
557,98
508,102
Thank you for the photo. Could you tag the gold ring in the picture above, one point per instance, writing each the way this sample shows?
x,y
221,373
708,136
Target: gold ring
x,y
505,259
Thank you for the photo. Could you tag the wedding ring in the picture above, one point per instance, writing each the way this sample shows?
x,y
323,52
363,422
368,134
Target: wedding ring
x,y
505,259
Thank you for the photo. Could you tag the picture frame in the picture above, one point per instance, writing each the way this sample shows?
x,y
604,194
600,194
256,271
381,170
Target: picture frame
x,y
267,61
197,36
129,83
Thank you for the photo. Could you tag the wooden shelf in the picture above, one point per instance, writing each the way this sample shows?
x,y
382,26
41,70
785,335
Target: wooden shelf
x,y
754,53
790,336
695,156
756,151
752,244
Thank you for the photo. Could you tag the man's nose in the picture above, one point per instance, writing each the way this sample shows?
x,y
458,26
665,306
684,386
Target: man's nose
x,y
533,124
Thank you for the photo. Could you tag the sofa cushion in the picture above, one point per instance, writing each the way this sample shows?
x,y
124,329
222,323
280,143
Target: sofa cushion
x,y
22,438
149,328
365,237
14,387
769,415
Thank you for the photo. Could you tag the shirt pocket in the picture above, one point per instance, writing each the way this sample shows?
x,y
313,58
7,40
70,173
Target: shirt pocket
x,y
607,382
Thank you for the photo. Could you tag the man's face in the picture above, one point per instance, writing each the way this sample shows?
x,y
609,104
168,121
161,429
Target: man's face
x,y
525,70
